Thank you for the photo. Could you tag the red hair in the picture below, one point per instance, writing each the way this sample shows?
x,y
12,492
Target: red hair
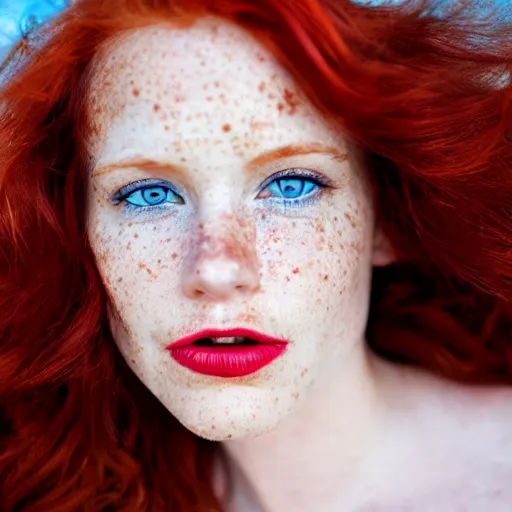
x,y
431,111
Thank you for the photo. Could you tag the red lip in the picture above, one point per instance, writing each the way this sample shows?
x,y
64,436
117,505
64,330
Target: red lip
x,y
227,360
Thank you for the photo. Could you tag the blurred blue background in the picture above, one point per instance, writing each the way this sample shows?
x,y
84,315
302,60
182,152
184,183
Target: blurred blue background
x,y
19,17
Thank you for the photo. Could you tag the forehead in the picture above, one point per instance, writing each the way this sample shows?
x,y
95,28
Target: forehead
x,y
209,80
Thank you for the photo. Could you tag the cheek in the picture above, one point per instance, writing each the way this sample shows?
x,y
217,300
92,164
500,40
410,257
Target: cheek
x,y
315,276
137,261
324,252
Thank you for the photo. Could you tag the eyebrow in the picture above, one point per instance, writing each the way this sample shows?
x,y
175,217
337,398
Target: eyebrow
x,y
261,160
140,163
295,150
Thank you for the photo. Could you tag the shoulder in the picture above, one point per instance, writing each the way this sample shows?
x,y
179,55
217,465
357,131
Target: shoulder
x,y
459,427
452,436
469,412
468,409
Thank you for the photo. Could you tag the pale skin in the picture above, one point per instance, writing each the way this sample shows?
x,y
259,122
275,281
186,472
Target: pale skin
x,y
208,116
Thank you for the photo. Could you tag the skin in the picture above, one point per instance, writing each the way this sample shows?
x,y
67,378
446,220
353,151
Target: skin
x,y
208,111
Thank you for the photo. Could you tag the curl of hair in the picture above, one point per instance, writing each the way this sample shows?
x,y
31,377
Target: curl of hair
x,y
428,101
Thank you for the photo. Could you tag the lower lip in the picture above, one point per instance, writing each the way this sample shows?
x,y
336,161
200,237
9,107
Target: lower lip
x,y
227,360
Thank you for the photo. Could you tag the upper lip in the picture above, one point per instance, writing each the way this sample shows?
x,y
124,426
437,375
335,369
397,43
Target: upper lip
x,y
227,333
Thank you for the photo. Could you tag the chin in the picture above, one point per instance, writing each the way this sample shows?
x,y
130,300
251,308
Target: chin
x,y
232,430
234,414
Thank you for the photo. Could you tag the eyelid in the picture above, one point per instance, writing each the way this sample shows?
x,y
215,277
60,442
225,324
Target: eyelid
x,y
298,172
124,192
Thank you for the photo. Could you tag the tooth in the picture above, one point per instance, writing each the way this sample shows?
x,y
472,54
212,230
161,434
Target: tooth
x,y
225,341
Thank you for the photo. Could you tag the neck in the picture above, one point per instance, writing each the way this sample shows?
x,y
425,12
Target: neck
x,y
313,459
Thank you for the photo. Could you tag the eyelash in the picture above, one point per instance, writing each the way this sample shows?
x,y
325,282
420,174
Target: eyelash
x,y
319,183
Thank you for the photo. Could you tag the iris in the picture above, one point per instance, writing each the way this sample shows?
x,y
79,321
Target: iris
x,y
141,194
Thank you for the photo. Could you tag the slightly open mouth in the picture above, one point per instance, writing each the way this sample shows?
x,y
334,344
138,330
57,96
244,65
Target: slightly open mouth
x,y
211,342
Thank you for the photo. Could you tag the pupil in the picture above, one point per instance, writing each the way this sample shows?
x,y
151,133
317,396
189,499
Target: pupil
x,y
154,195
291,188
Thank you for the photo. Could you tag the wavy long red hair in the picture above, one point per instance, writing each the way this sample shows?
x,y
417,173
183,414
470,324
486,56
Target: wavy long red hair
x,y
430,106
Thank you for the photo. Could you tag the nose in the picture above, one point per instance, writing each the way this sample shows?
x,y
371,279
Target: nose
x,y
222,265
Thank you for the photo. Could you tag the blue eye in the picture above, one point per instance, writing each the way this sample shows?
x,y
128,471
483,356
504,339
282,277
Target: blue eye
x,y
137,196
292,188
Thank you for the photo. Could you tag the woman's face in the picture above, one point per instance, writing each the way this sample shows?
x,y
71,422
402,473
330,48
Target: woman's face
x,y
219,198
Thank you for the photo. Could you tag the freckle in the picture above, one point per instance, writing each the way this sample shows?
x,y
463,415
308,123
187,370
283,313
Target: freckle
x,y
129,245
156,107
217,84
326,277
351,219
141,265
226,128
290,100
296,270
166,128
136,235
136,92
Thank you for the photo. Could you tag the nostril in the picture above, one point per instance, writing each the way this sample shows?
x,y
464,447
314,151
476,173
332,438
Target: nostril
x,y
218,278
